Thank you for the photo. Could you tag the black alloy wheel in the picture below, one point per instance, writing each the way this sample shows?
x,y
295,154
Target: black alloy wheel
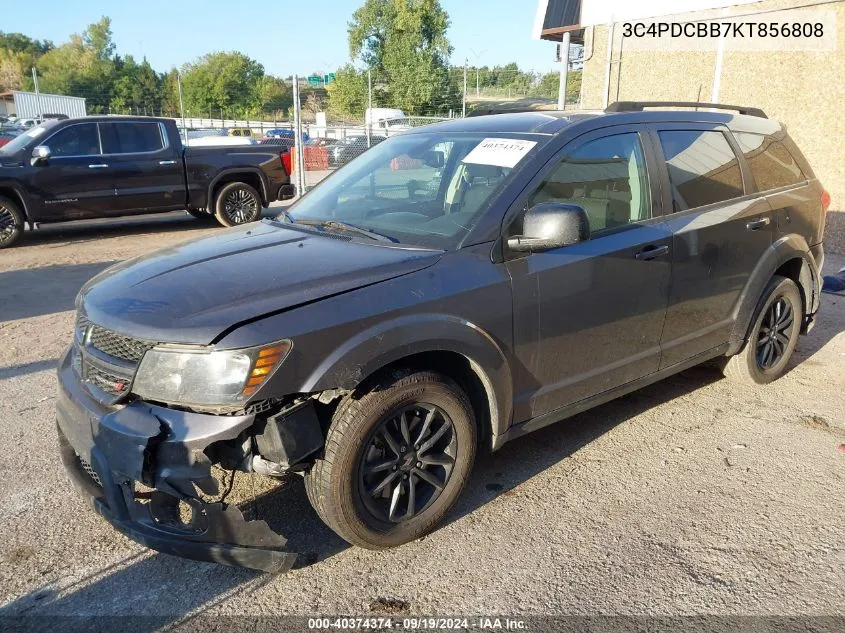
x,y
407,462
240,206
773,336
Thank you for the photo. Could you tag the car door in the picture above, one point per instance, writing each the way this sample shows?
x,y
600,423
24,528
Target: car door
x,y
75,183
148,172
588,317
720,234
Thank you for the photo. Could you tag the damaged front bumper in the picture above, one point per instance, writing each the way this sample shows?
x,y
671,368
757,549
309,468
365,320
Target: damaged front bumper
x,y
143,468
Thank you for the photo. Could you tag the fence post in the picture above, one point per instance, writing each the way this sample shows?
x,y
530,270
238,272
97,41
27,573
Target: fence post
x,y
297,139
182,105
368,115
464,110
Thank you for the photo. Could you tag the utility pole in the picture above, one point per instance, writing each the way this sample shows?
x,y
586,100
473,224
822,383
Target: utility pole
x,y
466,63
37,94
477,83
182,105
564,70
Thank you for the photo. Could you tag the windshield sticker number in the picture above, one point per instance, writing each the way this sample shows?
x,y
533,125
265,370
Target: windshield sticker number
x,y
499,152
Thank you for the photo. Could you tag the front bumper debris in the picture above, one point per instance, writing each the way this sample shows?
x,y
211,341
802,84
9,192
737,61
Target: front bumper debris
x,y
143,468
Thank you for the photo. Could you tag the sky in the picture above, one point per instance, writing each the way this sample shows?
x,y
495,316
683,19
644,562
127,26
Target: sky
x,y
286,37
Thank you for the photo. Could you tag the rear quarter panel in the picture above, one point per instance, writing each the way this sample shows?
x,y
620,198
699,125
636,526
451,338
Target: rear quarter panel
x,y
205,165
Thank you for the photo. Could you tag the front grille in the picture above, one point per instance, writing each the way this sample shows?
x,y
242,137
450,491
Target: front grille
x,y
108,374
125,348
112,384
91,472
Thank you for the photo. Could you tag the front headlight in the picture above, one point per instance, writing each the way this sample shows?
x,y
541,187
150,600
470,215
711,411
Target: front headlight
x,y
206,377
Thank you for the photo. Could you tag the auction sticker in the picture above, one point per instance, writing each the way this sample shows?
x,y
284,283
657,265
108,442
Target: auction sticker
x,y
500,152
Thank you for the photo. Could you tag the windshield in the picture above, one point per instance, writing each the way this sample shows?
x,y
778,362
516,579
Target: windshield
x,y
420,189
17,143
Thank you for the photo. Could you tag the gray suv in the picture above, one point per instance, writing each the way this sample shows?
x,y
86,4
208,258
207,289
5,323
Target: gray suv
x,y
453,288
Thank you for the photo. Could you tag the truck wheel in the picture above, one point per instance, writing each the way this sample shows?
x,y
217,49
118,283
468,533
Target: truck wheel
x,y
11,222
773,336
397,455
237,203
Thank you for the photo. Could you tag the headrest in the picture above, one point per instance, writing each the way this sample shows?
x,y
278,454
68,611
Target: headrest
x,y
482,171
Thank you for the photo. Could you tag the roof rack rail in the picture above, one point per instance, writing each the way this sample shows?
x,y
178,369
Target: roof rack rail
x,y
639,106
490,111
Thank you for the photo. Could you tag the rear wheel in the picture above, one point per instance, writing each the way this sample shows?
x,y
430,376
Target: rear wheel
x,y
397,456
11,222
237,203
773,337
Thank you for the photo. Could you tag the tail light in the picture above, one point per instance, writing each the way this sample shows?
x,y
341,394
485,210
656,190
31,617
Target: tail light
x,y
825,200
285,156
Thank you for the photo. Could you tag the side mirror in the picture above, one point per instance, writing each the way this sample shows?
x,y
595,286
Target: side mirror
x,y
551,225
40,155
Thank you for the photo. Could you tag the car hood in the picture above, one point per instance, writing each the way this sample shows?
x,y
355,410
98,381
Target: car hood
x,y
193,292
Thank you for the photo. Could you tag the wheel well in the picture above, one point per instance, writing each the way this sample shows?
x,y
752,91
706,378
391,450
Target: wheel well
x,y
14,196
792,269
458,368
250,178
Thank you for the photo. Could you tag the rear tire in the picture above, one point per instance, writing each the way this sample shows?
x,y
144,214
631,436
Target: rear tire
x,y
773,336
11,222
397,456
237,203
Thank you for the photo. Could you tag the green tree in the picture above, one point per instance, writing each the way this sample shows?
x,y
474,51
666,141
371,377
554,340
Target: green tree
x,y
273,95
405,42
347,93
82,67
222,82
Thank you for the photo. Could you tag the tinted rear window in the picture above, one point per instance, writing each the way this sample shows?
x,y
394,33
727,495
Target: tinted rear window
x,y
703,168
771,163
131,138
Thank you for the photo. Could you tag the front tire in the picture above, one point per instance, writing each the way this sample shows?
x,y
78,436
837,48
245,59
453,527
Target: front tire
x,y
237,203
11,222
773,336
397,456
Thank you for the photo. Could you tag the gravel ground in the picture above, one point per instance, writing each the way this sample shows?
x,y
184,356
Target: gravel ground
x,y
692,496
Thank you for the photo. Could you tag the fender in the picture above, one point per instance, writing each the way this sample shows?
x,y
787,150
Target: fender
x,y
781,251
19,196
238,170
373,349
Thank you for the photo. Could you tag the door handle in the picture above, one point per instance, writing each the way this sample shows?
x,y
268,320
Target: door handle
x,y
652,252
756,225
97,166
167,162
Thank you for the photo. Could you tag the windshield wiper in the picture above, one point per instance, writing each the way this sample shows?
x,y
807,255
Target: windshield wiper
x,y
287,216
343,226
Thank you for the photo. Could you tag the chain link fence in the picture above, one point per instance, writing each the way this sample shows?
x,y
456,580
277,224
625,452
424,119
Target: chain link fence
x,y
346,123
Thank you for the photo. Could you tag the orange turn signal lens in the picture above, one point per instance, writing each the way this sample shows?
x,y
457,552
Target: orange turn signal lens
x,y
267,360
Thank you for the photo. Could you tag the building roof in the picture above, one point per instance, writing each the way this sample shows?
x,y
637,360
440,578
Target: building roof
x,y
555,17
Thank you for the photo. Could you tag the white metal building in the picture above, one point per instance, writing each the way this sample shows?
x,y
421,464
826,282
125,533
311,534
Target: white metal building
x,y
28,105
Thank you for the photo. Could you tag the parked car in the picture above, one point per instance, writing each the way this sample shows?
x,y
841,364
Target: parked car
x,y
110,166
8,134
285,133
322,142
524,268
352,147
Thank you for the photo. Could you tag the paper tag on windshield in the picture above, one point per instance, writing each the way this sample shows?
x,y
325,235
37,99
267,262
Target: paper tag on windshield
x,y
500,152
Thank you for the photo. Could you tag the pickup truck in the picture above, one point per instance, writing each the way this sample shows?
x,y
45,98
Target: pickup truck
x,y
100,167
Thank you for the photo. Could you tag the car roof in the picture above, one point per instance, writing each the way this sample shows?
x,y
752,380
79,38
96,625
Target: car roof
x,y
552,122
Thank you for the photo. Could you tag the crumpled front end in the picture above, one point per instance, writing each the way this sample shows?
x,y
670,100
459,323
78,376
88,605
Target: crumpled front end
x,y
148,470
